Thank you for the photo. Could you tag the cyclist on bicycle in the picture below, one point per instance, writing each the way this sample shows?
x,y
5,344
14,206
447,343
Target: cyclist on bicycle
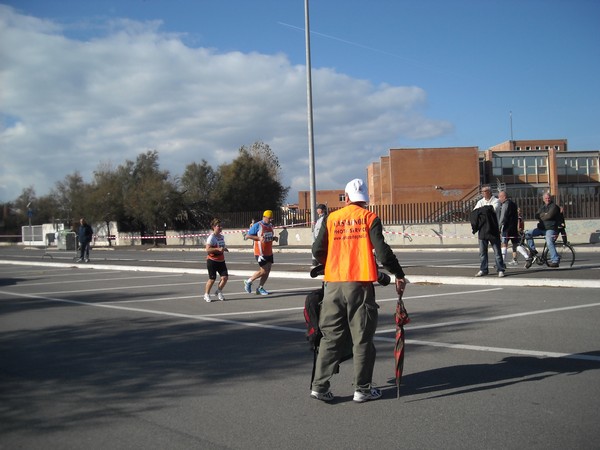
x,y
549,217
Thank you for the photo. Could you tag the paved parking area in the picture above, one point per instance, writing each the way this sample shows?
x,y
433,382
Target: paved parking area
x,y
121,359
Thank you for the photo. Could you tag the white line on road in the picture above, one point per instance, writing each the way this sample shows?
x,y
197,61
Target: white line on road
x,y
490,319
510,351
533,353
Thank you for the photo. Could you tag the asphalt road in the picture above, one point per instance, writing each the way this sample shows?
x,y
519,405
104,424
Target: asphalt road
x,y
124,353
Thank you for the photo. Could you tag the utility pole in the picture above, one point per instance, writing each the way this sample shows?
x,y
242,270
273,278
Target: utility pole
x,y
311,140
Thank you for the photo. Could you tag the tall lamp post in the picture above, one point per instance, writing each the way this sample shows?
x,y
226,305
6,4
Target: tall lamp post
x,y
29,214
311,141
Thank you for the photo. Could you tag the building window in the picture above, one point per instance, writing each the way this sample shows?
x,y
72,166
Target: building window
x,y
528,148
557,147
571,164
519,166
342,198
537,147
518,148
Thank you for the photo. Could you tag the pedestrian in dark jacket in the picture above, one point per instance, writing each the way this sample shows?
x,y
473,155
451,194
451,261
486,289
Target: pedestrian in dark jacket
x,y
508,222
484,222
85,234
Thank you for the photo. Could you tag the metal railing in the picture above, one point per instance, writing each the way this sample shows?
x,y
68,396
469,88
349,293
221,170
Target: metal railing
x,y
575,207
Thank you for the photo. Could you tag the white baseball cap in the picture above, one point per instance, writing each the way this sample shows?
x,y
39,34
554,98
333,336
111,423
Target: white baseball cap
x,y
356,190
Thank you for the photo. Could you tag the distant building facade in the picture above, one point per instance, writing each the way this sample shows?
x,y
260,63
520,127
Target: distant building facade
x,y
522,167
529,168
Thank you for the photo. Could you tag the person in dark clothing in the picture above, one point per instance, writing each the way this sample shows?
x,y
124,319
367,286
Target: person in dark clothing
x,y
85,239
509,226
550,219
485,222
481,222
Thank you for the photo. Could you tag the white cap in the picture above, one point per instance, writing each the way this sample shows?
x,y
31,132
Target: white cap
x,y
356,190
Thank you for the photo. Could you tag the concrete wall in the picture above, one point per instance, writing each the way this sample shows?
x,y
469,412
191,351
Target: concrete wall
x,y
449,234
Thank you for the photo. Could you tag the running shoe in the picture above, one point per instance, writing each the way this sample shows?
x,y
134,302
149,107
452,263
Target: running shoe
x,y
362,396
220,296
326,397
248,287
262,291
207,298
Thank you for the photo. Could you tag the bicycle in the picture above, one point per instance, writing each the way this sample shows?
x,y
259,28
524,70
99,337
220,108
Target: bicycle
x,y
565,251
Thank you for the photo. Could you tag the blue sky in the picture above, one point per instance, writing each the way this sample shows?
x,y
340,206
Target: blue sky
x,y
89,83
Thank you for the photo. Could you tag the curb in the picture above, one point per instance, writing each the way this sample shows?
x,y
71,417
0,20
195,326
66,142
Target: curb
x,y
415,279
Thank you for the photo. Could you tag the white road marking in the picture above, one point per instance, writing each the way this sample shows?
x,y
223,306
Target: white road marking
x,y
510,351
490,319
207,318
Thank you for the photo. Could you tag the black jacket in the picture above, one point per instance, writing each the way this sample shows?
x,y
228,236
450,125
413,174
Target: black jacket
x,y
550,216
85,233
485,222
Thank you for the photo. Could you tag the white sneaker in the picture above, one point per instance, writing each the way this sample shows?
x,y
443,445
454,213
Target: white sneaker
x,y
207,298
326,397
220,296
514,262
360,396
481,273
501,274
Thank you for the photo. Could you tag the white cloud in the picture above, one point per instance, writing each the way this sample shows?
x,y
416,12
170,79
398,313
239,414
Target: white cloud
x,y
67,105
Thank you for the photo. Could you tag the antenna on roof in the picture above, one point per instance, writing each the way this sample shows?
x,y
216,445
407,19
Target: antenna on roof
x,y
511,128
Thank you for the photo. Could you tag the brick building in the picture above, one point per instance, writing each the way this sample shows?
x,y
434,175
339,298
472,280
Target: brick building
x,y
525,167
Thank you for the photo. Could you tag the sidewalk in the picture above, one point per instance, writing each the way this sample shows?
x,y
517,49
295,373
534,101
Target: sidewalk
x,y
584,275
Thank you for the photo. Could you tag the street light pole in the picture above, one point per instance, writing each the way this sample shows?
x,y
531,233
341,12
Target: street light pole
x,y
311,141
29,214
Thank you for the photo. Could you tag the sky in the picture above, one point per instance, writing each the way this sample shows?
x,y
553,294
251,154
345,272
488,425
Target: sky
x,y
85,85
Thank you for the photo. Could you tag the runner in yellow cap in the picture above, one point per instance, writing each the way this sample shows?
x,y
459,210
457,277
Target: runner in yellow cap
x,y
262,233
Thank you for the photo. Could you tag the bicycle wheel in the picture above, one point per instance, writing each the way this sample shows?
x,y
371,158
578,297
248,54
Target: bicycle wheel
x,y
565,252
541,258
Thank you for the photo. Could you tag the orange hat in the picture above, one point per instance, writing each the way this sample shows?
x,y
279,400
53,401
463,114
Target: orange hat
x,y
268,213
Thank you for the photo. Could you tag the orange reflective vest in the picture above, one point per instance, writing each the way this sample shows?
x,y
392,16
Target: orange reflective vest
x,y
264,248
350,251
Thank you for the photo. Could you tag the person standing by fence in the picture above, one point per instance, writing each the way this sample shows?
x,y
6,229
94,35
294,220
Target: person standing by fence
x,y
322,212
509,226
484,221
85,234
